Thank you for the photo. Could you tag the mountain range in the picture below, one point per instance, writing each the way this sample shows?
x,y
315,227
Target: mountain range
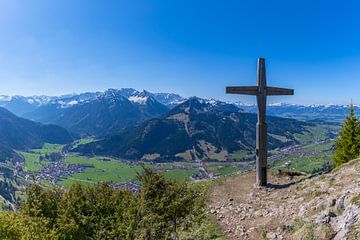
x,y
93,114
107,112
21,105
153,126
47,109
196,129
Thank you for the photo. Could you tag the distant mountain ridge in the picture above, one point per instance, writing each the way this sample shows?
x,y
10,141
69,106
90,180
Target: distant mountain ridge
x,y
42,108
329,112
197,129
100,113
21,105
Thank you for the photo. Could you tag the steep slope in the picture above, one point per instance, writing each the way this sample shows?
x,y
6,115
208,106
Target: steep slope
x,y
19,133
319,207
107,113
7,154
147,104
170,100
196,129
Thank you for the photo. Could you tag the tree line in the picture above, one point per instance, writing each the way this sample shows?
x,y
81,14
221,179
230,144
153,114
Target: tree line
x,y
163,209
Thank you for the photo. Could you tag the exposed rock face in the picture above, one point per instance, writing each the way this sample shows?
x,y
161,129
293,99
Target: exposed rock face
x,y
340,205
320,207
345,223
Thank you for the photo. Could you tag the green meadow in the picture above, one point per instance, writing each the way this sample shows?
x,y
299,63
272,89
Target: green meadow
x,y
48,148
111,170
180,174
32,163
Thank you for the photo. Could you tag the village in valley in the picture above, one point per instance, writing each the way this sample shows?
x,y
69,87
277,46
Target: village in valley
x,y
57,165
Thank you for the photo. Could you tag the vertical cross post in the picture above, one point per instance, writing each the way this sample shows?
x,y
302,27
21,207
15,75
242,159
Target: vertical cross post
x,y
261,91
261,126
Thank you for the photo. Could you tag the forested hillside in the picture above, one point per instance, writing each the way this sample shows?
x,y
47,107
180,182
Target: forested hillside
x,y
20,133
196,129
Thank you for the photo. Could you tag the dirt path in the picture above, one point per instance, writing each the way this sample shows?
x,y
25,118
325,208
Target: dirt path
x,y
247,212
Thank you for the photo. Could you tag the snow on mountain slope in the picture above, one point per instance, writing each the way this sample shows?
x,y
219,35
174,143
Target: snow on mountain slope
x,y
21,105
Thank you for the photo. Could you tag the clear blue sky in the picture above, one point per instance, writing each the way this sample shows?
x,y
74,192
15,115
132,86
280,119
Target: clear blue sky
x,y
187,46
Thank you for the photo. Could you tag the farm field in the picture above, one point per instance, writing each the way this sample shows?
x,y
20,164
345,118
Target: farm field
x,y
100,170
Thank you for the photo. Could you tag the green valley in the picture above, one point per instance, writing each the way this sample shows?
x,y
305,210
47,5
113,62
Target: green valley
x,y
74,167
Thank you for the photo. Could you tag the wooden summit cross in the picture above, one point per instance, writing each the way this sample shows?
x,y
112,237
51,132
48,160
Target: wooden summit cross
x,y
261,91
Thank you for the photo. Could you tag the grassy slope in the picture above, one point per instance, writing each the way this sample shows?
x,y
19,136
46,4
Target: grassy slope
x,y
315,133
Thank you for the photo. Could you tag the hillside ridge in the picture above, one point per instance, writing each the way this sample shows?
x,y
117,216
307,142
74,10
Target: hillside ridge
x,y
325,206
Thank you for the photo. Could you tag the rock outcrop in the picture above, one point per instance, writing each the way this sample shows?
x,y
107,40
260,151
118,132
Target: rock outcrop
x,y
326,206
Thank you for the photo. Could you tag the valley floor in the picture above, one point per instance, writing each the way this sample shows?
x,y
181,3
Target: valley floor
x,y
320,207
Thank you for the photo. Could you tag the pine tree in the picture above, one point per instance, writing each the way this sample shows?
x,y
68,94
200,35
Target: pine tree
x,y
347,146
163,209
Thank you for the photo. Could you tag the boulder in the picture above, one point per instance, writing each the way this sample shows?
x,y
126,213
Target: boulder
x,y
324,217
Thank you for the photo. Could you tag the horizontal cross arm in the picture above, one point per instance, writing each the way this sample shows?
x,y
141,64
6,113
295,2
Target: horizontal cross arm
x,y
250,90
271,91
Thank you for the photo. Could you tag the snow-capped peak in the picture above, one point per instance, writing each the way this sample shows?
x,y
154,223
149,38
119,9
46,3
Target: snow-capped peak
x,y
4,98
139,99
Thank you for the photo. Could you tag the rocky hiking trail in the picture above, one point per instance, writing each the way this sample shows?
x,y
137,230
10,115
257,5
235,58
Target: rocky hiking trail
x,y
325,206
